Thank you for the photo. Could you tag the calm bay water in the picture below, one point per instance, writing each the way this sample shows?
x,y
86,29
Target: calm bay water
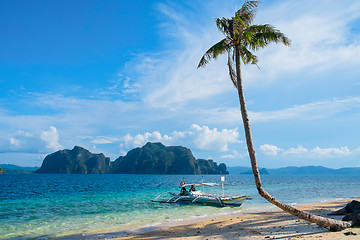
x,y
52,205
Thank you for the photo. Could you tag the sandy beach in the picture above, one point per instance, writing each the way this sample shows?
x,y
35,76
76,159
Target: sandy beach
x,y
264,225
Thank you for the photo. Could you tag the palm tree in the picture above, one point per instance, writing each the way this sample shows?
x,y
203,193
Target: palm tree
x,y
240,38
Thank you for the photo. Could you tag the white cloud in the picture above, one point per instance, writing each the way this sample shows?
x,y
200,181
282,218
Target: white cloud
x,y
180,80
330,152
228,156
322,109
270,149
51,138
212,139
14,142
170,79
316,45
141,139
26,142
315,110
101,141
104,140
300,151
202,138
177,134
122,87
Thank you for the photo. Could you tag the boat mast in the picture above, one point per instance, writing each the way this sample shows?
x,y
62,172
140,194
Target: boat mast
x,y
222,185
202,181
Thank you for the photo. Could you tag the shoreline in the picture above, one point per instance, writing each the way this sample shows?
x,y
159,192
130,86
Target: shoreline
x,y
269,224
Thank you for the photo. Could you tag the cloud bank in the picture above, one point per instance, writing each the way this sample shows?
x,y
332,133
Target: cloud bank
x,y
300,151
197,137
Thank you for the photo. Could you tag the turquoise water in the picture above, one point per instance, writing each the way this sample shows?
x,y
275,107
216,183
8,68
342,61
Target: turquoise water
x,y
53,205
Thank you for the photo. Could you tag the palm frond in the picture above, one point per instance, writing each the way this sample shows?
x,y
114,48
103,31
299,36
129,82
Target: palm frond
x,y
243,18
213,52
247,12
248,6
262,35
246,56
225,26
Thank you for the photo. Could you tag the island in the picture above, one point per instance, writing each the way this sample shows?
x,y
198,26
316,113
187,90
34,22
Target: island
x,y
78,160
152,158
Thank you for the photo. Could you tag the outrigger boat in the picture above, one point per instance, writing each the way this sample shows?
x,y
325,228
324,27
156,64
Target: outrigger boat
x,y
196,196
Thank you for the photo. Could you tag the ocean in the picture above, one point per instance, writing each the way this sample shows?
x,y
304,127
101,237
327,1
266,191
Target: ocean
x,y
45,206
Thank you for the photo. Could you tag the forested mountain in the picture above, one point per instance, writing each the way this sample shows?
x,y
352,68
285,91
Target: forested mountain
x,y
152,158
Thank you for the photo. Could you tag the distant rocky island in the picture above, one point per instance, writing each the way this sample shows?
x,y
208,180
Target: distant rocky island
x,y
14,169
78,160
152,158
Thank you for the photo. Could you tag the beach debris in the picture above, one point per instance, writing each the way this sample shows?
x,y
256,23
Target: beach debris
x,y
354,218
352,207
350,233
351,212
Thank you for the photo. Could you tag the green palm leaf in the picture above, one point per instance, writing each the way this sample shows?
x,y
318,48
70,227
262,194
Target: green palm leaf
x,y
259,36
246,56
246,13
225,26
213,52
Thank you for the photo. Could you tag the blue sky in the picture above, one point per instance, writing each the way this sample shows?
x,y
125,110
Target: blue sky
x,y
112,75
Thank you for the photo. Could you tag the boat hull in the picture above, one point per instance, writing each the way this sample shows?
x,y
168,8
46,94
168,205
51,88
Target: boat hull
x,y
204,199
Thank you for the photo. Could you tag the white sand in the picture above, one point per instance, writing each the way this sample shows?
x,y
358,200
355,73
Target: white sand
x,y
265,225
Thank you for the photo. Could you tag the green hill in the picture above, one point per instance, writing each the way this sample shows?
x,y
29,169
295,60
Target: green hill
x,y
78,160
12,169
155,158
152,158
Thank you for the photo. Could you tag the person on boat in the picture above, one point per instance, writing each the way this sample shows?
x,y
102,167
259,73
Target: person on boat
x,y
192,188
183,191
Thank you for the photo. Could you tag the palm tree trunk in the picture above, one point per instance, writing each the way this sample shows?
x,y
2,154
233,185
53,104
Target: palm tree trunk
x,y
333,224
